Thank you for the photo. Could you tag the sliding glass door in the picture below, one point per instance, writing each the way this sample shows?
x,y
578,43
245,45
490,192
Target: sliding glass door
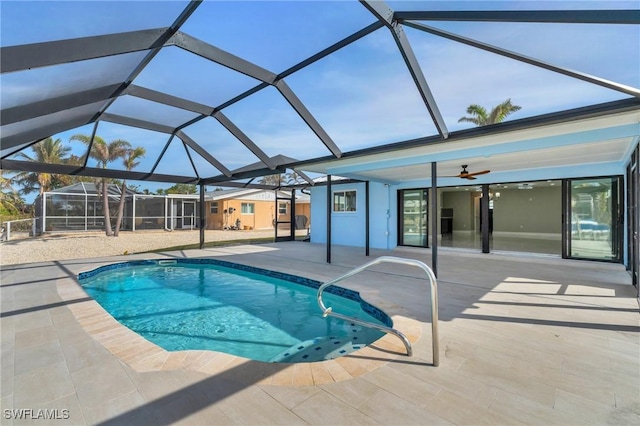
x,y
633,217
594,212
413,222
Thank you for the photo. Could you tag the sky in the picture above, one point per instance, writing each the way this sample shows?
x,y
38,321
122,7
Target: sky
x,y
362,95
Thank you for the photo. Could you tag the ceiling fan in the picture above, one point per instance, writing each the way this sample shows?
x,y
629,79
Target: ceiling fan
x,y
464,174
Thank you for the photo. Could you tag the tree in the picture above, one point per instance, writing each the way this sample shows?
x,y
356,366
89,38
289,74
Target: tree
x,y
290,178
10,201
271,180
45,151
480,117
293,178
130,163
105,153
178,188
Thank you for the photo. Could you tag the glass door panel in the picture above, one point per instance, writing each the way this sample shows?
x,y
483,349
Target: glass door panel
x,y
413,218
594,231
189,215
633,218
460,218
526,217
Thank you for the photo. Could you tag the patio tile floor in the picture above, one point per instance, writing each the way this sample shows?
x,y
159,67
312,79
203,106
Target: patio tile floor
x,y
523,340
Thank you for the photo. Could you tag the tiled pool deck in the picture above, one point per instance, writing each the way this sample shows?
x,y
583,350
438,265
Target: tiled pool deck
x,y
523,340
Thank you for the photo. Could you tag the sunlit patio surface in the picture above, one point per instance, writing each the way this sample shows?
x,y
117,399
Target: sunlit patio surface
x,y
523,340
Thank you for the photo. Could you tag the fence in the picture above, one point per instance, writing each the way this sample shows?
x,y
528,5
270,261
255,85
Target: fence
x,y
24,225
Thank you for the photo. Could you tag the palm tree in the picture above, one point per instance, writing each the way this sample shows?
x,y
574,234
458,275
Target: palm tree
x,y
130,163
45,151
479,115
271,180
10,201
104,153
293,178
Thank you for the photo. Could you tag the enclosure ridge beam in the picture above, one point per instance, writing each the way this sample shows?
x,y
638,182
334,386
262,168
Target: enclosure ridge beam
x,y
203,153
61,103
381,11
619,16
135,122
158,45
307,117
190,158
304,176
36,55
164,150
34,135
98,172
243,175
346,41
246,141
418,77
243,95
526,59
333,48
219,56
166,99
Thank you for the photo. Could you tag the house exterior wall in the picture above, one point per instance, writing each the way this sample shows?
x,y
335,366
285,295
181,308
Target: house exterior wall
x,y
264,213
348,228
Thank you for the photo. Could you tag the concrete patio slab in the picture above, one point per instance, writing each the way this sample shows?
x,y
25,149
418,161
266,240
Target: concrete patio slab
x,y
523,340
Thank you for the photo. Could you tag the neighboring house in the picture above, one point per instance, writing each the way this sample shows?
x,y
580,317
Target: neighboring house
x,y
78,207
254,208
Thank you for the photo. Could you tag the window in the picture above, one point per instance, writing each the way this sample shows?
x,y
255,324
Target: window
x,y
344,201
282,208
214,207
247,208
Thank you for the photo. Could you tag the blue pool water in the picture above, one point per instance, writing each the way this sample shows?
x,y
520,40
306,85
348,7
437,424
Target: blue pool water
x,y
207,304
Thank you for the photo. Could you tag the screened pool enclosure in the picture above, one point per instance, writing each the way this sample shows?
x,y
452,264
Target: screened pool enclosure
x,y
226,93
80,208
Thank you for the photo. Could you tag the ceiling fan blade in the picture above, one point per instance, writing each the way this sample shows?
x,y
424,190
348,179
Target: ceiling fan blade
x,y
484,172
468,177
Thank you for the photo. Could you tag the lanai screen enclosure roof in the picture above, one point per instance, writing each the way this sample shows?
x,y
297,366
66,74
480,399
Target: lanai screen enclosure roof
x,y
219,93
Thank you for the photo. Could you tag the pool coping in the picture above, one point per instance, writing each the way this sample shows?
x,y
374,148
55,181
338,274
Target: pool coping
x,y
144,356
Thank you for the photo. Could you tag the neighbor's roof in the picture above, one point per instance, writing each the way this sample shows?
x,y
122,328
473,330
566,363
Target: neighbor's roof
x,y
222,92
90,188
253,194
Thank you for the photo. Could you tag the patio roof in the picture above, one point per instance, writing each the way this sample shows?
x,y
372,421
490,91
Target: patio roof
x,y
311,86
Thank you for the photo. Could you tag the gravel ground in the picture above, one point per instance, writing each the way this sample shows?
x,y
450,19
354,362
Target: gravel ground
x,y
22,249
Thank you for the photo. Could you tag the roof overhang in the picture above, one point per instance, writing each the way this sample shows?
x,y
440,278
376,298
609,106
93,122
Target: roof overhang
x,y
582,138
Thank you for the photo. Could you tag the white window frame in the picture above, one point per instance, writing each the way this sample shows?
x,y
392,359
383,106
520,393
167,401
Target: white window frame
x,y
214,205
343,208
280,210
253,208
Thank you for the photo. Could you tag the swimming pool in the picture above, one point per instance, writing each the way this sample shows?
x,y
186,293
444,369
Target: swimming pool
x,y
226,307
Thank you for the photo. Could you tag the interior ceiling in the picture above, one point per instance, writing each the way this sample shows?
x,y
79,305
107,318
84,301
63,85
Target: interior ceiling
x,y
120,83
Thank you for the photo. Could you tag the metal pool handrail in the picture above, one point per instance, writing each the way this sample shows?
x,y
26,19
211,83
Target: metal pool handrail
x,y
434,302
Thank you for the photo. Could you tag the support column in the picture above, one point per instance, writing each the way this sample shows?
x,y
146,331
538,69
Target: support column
x,y
366,219
293,215
434,218
484,212
329,202
203,216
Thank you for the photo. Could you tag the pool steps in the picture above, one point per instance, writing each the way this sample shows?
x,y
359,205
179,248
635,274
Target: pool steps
x,y
323,348
433,295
